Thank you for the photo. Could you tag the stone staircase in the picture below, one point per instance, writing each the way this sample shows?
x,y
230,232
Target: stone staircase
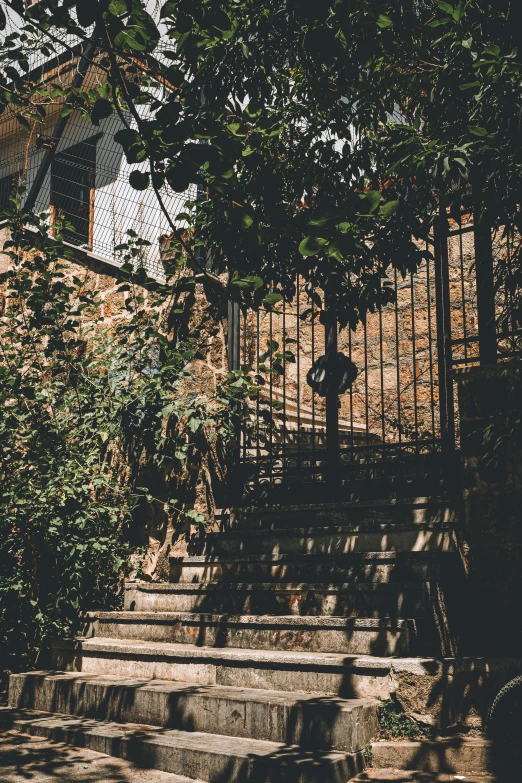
x,y
264,656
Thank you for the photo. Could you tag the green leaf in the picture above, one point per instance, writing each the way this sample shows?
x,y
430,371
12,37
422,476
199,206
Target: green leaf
x,y
139,180
310,246
344,227
272,299
371,200
118,7
102,109
477,131
247,219
439,22
388,209
493,50
384,21
318,222
251,283
469,86
445,7
23,122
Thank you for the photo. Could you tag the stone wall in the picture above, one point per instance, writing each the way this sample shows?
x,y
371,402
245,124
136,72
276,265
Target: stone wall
x,y
208,306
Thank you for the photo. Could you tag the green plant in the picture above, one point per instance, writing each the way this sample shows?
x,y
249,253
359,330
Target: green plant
x,y
368,756
98,423
395,724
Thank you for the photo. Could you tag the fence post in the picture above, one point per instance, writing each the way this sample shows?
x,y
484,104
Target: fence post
x,y
235,482
333,453
487,329
444,350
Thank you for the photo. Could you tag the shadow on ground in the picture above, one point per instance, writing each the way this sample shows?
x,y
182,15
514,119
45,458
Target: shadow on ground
x,y
34,760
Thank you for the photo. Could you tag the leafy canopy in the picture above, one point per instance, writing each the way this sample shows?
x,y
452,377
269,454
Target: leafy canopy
x,y
322,135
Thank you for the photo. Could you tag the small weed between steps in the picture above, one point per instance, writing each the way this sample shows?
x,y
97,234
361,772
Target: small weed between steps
x,y
395,724
368,756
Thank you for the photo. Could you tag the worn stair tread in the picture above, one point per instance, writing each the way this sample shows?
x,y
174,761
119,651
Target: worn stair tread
x,y
256,621
347,505
306,558
238,747
347,529
286,587
288,698
300,659
315,721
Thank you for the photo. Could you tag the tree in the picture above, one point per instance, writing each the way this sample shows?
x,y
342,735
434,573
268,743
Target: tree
x,y
324,137
330,132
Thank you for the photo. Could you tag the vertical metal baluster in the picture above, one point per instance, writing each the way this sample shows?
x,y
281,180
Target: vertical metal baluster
x,y
313,477
444,353
399,422
233,346
486,310
332,398
258,351
463,287
417,467
284,469
298,361
271,425
352,437
430,343
414,361
244,362
381,357
366,392
510,234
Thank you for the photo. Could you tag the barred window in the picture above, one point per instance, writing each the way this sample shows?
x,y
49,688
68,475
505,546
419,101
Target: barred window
x,y
7,185
72,190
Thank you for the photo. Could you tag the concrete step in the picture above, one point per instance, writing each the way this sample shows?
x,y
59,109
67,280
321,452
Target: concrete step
x,y
439,691
350,635
332,540
314,722
458,755
355,566
208,757
354,599
333,673
39,760
369,514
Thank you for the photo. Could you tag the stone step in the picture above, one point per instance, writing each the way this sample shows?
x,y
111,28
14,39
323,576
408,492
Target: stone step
x,y
457,755
354,566
367,513
350,635
40,760
332,540
353,599
207,757
315,722
333,673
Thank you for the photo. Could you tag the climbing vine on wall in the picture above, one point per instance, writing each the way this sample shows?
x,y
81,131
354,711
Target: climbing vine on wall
x,y
96,424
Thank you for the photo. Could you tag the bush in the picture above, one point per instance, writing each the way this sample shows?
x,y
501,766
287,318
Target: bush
x,y
94,424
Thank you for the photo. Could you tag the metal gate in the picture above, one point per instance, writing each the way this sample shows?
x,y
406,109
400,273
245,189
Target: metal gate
x,y
395,431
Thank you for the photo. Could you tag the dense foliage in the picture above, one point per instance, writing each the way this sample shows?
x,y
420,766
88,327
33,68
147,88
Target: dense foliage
x,y
324,138
96,426
331,130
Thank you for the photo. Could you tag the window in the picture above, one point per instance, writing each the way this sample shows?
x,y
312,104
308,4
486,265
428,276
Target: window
x,y
7,185
72,190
